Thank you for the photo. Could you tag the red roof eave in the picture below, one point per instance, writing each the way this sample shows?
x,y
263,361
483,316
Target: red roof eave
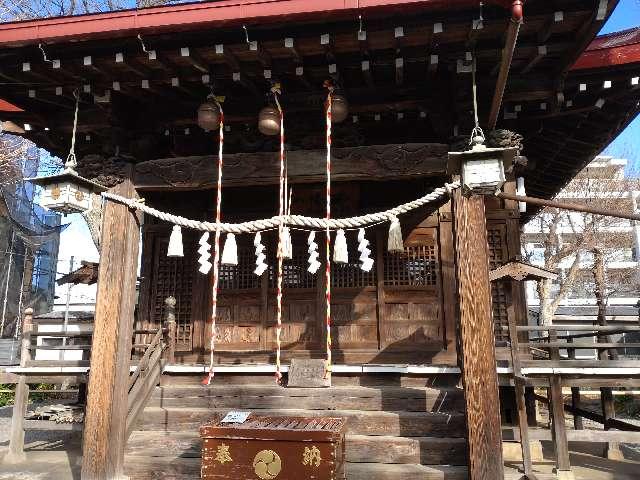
x,y
608,57
194,15
619,48
9,107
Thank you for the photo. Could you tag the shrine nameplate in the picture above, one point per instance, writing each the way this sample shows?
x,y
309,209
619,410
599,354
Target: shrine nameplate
x,y
308,373
267,448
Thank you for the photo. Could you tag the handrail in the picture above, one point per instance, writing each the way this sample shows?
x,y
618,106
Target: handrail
x,y
151,365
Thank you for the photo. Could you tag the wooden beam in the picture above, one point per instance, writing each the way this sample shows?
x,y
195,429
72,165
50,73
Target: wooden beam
x,y
503,73
477,339
378,163
106,411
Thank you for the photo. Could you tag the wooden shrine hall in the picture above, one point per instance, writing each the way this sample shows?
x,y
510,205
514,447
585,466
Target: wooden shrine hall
x,y
422,344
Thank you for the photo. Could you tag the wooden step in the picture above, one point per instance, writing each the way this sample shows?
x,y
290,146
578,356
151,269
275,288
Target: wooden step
x,y
335,398
148,468
379,471
172,379
359,448
390,423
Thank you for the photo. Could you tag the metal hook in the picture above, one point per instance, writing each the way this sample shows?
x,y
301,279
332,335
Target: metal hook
x,y
246,33
144,47
360,20
44,54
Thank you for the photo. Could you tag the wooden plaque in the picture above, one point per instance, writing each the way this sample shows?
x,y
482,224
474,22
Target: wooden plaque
x,y
308,373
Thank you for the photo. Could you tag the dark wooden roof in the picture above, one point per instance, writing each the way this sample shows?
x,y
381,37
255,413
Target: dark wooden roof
x,y
409,81
87,274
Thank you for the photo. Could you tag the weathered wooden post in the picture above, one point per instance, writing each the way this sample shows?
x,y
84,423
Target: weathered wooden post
x,y
170,325
21,400
106,411
478,359
482,173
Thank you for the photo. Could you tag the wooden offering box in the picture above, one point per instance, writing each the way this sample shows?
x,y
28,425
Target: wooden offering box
x,y
266,448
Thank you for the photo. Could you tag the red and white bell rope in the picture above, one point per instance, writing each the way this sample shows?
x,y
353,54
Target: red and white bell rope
x,y
216,252
280,252
328,235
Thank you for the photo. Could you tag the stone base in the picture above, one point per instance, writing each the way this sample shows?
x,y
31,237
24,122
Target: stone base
x,y
564,474
13,458
512,451
613,452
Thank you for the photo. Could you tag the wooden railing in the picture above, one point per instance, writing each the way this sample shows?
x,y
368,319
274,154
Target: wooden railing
x,y
547,356
147,373
556,351
158,351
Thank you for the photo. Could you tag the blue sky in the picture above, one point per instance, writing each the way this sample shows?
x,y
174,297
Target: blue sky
x,y
626,15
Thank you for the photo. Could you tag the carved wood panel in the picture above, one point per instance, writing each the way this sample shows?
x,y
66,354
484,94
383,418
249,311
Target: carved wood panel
x,y
412,317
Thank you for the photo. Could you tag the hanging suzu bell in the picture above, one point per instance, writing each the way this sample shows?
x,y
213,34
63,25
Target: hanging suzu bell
x,y
269,120
339,108
209,115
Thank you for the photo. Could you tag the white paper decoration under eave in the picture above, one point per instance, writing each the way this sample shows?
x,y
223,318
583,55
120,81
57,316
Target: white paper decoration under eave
x,y
205,255
314,264
261,265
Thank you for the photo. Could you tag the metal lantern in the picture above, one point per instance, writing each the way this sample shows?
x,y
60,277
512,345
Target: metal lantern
x,y
339,108
209,116
269,120
483,168
67,192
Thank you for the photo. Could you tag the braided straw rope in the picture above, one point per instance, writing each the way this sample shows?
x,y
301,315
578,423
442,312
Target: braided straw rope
x,y
292,220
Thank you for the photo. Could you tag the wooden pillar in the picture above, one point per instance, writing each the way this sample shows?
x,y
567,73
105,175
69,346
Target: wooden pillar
x,y
106,412
16,436
170,325
556,412
477,354
575,392
21,400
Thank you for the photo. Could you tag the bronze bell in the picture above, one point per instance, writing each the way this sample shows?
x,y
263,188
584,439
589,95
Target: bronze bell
x,y
339,108
269,120
209,116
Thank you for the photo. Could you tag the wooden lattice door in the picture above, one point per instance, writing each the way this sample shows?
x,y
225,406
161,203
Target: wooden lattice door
x,y
174,276
412,318
498,255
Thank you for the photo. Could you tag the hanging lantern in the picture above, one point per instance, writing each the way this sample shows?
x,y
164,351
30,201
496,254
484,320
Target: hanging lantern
x,y
483,168
67,192
209,115
269,120
339,108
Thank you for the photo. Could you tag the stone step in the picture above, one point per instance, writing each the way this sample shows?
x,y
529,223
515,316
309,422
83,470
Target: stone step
x,y
389,423
152,468
394,398
359,448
